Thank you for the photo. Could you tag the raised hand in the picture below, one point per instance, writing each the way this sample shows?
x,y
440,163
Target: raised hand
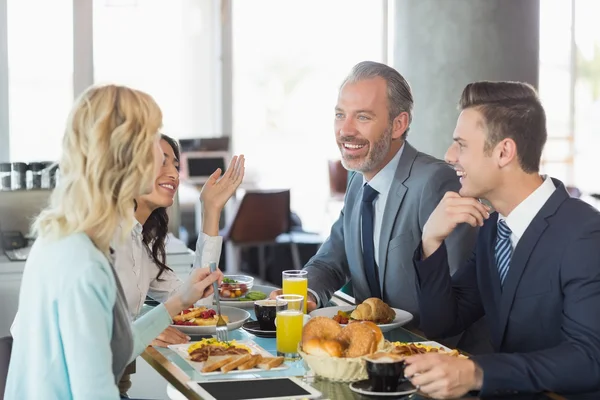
x,y
450,212
216,192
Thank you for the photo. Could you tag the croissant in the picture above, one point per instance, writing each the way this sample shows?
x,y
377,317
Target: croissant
x,y
373,309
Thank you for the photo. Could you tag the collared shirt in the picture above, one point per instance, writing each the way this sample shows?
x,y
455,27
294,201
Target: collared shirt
x,y
137,270
520,218
382,182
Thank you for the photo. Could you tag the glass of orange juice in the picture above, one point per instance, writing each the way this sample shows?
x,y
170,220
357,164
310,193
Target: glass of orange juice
x,y
289,321
296,282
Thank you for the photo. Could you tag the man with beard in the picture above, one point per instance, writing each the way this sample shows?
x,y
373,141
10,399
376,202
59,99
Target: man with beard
x,y
388,199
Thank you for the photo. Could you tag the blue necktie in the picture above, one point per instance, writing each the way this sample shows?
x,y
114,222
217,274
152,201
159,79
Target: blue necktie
x,y
503,250
369,194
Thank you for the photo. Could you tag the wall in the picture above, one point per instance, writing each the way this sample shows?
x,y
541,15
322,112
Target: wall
x,y
440,46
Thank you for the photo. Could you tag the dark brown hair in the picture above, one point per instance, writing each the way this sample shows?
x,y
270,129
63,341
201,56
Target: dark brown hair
x,y
510,110
156,227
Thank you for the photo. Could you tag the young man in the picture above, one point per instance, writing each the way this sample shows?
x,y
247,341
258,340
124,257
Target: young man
x,y
388,199
535,272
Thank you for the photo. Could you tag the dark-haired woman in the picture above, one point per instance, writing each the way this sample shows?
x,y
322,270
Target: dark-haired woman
x,y
140,262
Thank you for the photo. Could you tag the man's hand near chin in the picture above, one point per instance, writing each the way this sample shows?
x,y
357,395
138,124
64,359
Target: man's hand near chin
x,y
311,305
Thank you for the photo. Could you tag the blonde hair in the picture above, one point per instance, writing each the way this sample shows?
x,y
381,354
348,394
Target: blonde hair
x,y
107,160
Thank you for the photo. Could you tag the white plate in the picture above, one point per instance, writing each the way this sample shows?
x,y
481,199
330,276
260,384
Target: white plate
x,y
181,350
236,316
402,317
248,304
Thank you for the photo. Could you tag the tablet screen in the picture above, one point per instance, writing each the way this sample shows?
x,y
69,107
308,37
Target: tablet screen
x,y
256,389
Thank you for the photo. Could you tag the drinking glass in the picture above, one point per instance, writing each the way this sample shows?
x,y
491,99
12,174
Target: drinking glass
x,y
296,282
289,321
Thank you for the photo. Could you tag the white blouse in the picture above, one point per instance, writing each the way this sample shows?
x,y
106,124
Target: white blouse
x,y
137,271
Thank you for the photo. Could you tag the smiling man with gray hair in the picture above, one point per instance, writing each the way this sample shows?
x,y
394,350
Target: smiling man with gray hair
x,y
389,197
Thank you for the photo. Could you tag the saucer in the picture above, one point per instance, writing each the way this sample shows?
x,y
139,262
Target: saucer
x,y
254,328
364,388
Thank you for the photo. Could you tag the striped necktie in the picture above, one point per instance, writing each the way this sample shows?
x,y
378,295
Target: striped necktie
x,y
503,250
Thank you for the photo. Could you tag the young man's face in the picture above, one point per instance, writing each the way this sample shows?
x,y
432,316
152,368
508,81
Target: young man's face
x,y
478,172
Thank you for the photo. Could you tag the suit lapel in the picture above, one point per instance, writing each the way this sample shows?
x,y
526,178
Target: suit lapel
x,y
392,207
523,252
490,239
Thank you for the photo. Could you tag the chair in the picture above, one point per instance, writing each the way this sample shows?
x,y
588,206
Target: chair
x,y
338,179
262,219
5,350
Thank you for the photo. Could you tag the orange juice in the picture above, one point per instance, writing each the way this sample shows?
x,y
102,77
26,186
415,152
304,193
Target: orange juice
x,y
297,286
289,331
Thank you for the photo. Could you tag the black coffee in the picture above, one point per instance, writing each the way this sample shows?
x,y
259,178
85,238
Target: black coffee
x,y
266,311
384,374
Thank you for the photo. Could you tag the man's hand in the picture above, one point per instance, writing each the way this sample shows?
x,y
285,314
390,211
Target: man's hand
x,y
452,211
311,304
442,376
170,336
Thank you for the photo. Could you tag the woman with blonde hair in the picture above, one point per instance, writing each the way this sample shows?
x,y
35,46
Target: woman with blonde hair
x,y
72,334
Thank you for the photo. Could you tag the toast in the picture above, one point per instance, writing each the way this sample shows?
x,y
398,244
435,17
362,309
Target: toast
x,y
270,362
235,363
216,362
253,362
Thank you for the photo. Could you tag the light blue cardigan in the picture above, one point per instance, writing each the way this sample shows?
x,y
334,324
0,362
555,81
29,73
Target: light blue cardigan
x,y
63,328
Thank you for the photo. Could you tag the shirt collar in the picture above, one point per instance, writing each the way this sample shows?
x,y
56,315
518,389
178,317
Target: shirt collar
x,y
520,218
137,228
382,181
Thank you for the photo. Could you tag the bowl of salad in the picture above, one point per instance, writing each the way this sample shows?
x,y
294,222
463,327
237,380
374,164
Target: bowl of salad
x,y
235,286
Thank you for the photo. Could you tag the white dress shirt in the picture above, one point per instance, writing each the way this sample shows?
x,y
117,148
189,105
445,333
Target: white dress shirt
x,y
137,270
382,182
520,218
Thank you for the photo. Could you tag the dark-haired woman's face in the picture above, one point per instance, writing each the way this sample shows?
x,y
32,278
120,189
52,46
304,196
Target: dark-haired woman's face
x,y
167,182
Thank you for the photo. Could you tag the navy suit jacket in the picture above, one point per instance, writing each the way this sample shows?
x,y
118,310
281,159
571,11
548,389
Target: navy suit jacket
x,y
545,321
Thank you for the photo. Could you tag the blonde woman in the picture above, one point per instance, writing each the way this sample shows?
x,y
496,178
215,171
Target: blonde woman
x,y
72,334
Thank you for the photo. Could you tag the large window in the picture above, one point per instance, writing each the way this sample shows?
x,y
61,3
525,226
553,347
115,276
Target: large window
x,y
40,76
286,73
570,90
168,49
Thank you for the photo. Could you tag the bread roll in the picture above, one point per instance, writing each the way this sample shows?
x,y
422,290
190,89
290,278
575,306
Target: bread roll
x,y
320,328
324,347
378,334
374,309
359,339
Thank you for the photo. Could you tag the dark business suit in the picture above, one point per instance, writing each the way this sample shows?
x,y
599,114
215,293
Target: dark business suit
x,y
547,313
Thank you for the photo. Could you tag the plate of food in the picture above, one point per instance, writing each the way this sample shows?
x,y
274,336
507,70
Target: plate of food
x,y
211,357
203,320
410,348
247,299
372,309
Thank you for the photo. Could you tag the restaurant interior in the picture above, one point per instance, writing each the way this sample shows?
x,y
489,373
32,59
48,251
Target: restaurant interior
x,y
260,78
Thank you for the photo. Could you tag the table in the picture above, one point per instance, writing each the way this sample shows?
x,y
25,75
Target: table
x,y
177,371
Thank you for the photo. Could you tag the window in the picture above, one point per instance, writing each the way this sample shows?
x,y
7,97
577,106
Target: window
x,y
286,75
167,49
40,77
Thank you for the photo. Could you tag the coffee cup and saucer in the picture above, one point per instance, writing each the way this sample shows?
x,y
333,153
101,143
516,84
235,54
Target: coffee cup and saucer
x,y
264,326
386,377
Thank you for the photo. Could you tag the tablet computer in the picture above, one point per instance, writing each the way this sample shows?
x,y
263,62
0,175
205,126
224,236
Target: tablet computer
x,y
250,389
